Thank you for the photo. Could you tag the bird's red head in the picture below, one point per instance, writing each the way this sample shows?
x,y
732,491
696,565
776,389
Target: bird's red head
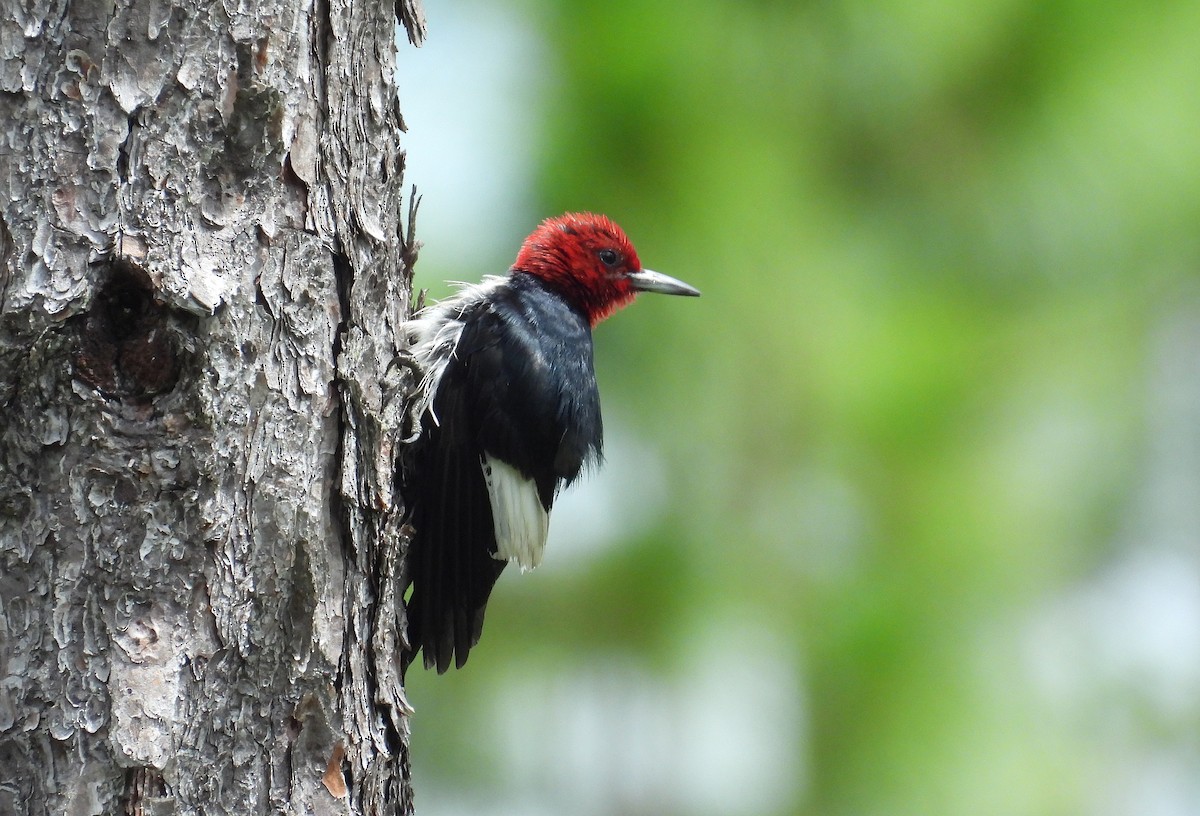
x,y
590,261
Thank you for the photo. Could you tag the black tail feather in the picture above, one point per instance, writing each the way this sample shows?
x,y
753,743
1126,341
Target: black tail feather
x,y
450,557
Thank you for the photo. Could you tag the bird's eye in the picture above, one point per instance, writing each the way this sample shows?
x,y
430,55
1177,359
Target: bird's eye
x,y
609,257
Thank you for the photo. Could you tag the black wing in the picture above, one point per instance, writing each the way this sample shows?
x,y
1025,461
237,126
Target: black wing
x,y
520,387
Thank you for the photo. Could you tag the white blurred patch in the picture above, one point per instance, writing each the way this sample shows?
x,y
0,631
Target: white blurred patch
x,y
610,506
1130,637
722,736
1118,657
471,98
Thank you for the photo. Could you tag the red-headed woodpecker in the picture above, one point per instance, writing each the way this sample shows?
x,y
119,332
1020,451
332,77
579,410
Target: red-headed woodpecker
x,y
509,414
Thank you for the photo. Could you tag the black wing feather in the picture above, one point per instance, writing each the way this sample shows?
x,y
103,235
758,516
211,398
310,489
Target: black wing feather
x,y
521,388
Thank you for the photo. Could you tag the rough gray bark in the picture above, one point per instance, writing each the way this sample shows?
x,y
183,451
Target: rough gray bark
x,y
203,271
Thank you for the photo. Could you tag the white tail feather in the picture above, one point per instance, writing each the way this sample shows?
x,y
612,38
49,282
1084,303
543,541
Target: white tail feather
x,y
521,523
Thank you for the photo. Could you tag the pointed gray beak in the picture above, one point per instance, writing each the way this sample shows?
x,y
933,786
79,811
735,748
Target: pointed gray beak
x,y
647,280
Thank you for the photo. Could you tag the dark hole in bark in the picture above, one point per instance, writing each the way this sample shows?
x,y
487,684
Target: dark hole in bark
x,y
127,299
127,345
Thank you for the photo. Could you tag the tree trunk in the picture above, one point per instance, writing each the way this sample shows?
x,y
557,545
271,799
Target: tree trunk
x,y
205,269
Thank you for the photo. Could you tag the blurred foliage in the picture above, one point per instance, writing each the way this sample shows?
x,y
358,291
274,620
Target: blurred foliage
x,y
910,410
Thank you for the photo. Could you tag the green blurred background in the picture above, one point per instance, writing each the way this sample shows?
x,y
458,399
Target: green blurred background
x,y
903,515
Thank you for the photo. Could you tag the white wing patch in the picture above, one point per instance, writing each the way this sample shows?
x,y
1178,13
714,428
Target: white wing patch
x,y
520,521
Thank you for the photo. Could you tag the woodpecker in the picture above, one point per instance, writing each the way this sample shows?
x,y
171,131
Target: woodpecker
x,y
509,414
